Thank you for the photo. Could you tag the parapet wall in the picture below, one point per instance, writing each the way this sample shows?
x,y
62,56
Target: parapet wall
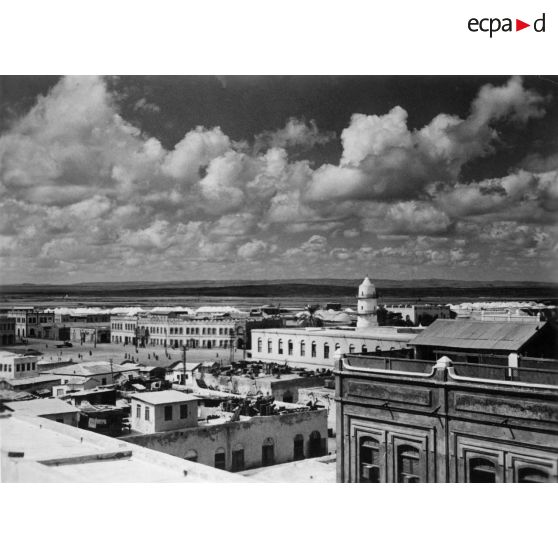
x,y
249,435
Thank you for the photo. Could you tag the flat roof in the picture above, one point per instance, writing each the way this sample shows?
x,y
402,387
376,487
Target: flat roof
x,y
164,397
10,354
317,469
54,452
469,334
93,368
189,366
41,407
14,395
390,333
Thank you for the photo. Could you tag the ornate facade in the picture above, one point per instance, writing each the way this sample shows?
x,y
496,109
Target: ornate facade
x,y
403,420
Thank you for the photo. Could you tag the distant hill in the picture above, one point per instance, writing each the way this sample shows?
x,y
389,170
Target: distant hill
x,y
329,288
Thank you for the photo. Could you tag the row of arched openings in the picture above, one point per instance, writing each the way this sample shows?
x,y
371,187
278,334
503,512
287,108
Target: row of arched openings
x,y
326,352
315,449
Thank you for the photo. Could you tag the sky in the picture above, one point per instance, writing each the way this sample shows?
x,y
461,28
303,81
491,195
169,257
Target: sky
x,y
267,177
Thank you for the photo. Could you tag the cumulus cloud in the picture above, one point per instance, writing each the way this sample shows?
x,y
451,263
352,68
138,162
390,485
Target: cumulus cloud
x,y
198,148
416,218
84,193
254,250
296,134
383,159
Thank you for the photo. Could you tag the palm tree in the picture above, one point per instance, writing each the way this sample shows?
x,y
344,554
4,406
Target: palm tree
x,y
308,318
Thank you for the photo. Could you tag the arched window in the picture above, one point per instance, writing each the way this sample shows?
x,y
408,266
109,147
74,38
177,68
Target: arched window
x,y
482,470
220,459
337,346
315,445
302,348
408,463
532,474
369,460
298,447
191,455
290,347
351,348
326,350
259,344
280,351
313,349
268,456
269,345
364,349
378,348
237,458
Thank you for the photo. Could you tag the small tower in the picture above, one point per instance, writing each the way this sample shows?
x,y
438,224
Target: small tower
x,y
367,305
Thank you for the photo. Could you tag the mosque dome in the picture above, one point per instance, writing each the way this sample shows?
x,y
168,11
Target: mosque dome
x,y
367,289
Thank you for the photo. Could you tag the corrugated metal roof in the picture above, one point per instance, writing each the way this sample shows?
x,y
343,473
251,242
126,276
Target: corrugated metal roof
x,y
32,380
465,334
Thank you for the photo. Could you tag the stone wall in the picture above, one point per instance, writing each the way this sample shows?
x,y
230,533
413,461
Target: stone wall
x,y
250,435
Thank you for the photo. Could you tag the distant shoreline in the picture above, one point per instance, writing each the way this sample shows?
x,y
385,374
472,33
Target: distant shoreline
x,y
268,293
279,283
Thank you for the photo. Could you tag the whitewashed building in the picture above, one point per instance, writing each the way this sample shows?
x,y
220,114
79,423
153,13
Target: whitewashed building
x,y
16,366
313,347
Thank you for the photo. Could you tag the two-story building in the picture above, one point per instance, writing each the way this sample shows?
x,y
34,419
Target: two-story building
x,y
16,366
7,330
403,420
31,322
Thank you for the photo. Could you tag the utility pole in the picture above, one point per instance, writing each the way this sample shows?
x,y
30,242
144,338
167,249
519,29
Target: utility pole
x,y
184,360
231,348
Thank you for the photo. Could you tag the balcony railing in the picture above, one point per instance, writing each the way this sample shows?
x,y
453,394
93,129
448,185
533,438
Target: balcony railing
x,y
461,369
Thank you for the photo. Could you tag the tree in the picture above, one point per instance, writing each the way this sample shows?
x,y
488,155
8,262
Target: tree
x,y
308,318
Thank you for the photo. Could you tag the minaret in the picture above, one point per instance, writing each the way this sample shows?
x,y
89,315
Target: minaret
x,y
367,305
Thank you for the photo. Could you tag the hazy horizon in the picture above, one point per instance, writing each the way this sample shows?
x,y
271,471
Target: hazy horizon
x,y
289,280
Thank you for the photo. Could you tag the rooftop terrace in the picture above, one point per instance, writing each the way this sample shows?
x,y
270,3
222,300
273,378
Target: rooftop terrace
x,y
461,370
40,450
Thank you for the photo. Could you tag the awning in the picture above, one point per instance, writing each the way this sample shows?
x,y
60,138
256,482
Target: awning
x,y
139,387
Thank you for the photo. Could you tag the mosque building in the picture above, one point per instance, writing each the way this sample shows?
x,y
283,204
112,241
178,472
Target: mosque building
x,y
314,347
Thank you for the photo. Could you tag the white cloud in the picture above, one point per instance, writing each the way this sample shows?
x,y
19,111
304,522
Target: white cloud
x,y
296,133
198,148
253,250
383,159
83,192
